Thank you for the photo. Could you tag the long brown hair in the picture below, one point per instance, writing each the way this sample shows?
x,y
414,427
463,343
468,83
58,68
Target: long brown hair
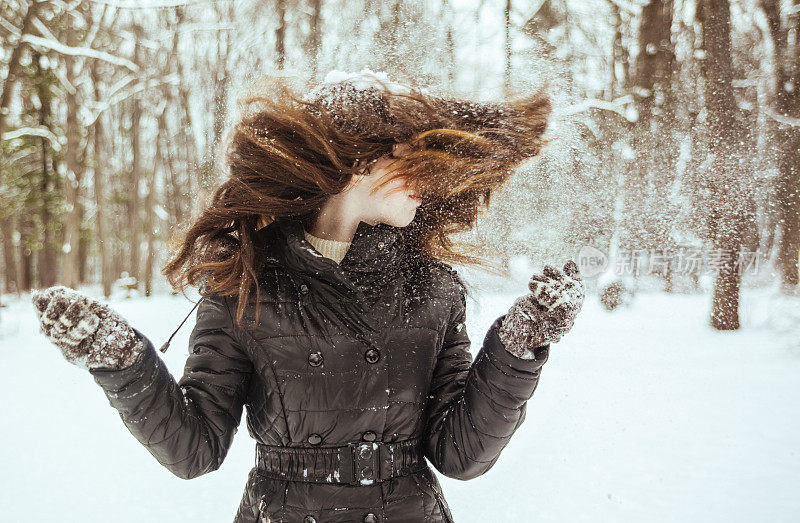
x,y
288,154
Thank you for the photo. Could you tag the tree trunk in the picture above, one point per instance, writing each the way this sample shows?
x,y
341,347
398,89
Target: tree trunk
x,y
71,271
450,45
14,63
185,141
727,135
6,223
84,235
507,48
46,256
101,229
172,192
149,220
27,232
222,79
280,35
149,214
134,203
316,37
787,142
651,134
7,228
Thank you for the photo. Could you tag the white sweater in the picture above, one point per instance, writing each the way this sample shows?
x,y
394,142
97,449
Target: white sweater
x,y
332,249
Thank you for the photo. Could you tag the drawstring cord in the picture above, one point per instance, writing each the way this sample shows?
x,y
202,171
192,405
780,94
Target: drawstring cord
x,y
164,347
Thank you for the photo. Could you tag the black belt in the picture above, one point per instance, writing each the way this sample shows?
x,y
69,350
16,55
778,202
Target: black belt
x,y
355,464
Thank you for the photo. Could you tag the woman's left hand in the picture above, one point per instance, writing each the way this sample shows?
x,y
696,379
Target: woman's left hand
x,y
89,333
546,313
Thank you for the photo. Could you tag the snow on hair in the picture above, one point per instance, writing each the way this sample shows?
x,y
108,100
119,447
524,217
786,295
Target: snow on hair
x,y
362,80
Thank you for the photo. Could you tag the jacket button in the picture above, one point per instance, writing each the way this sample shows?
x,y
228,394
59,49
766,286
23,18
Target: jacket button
x,y
309,519
315,359
315,439
372,355
370,518
381,245
304,288
369,436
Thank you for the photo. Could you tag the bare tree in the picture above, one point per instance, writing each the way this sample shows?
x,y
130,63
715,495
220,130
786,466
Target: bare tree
x,y
507,46
150,216
726,138
47,256
6,225
315,36
787,136
14,61
134,200
71,265
646,225
280,35
100,189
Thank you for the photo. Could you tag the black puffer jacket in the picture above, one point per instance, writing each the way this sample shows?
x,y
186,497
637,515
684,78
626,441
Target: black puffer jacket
x,y
354,372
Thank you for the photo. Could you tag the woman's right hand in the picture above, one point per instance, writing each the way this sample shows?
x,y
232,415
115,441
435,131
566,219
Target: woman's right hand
x,y
546,313
89,333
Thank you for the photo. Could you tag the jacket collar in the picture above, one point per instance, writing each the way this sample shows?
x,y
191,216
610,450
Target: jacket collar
x,y
375,250
373,254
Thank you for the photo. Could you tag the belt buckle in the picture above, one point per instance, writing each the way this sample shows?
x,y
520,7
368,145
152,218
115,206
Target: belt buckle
x,y
366,463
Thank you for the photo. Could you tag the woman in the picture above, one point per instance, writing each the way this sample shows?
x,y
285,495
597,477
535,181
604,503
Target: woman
x,y
352,357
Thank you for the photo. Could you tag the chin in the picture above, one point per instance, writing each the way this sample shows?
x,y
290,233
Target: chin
x,y
399,221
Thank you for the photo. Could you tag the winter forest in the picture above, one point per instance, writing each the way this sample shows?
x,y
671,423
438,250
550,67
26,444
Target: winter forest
x,y
671,175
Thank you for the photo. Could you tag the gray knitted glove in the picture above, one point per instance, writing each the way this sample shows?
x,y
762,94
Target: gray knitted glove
x,y
546,313
89,334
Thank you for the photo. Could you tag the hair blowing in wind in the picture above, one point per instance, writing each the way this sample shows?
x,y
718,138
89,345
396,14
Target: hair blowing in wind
x,y
288,153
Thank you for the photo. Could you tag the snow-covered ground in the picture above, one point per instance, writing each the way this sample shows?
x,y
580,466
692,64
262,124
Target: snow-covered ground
x,y
645,414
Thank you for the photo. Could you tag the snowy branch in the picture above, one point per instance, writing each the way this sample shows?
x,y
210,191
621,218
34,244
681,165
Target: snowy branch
x,y
8,26
98,109
782,118
79,51
630,8
133,4
617,105
34,131
120,84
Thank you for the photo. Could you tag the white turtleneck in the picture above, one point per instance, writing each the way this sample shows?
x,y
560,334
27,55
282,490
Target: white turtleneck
x,y
332,249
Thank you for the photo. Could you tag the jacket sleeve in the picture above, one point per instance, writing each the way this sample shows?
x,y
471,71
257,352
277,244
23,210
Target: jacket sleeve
x,y
187,426
475,407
